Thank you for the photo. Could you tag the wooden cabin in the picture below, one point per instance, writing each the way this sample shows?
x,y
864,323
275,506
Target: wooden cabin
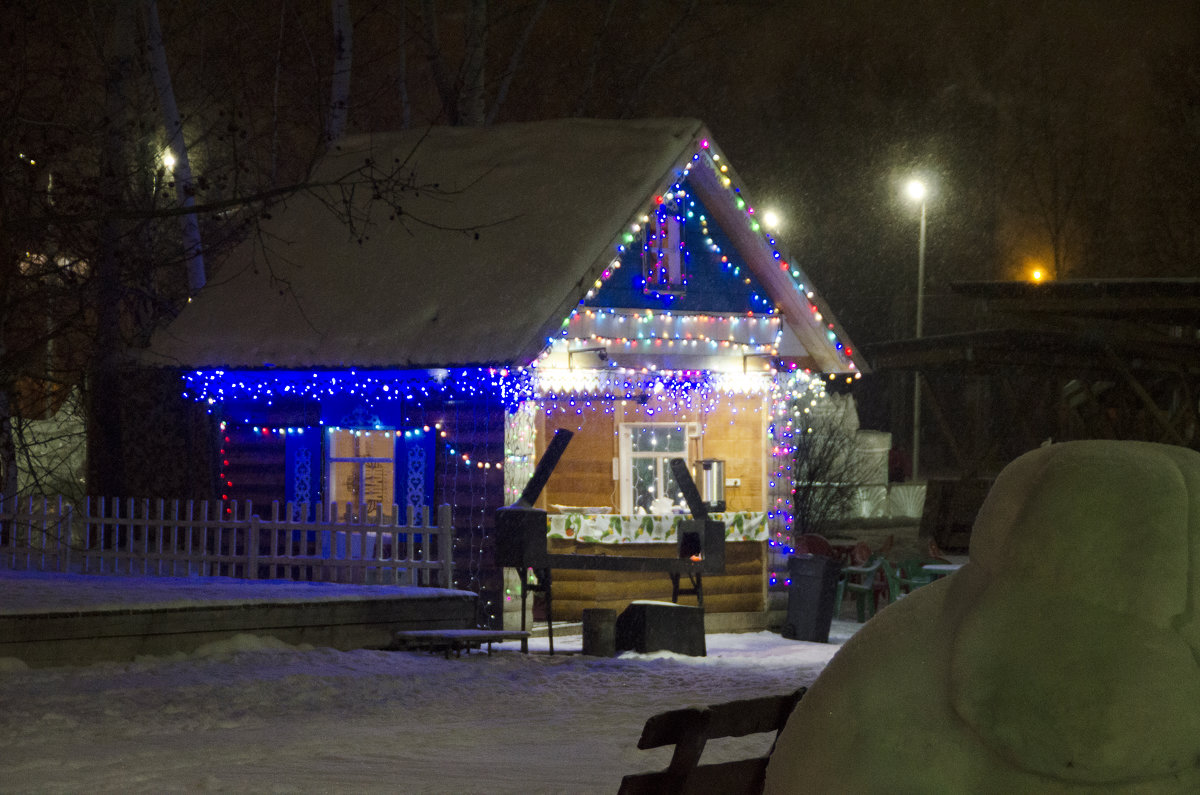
x,y
415,331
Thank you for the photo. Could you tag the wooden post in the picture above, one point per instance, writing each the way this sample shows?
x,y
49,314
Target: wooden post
x,y
252,545
446,544
68,527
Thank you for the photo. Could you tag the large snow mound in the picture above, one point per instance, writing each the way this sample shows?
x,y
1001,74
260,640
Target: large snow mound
x,y
1062,658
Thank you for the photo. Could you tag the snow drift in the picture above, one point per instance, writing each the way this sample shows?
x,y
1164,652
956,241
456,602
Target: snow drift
x,y
1062,658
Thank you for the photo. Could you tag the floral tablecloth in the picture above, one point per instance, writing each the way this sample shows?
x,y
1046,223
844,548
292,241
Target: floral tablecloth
x,y
616,529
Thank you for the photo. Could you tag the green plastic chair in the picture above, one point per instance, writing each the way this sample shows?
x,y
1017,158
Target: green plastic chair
x,y
866,584
910,575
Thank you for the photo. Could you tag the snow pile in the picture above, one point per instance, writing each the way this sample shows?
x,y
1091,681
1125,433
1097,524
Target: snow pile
x,y
1062,658
250,714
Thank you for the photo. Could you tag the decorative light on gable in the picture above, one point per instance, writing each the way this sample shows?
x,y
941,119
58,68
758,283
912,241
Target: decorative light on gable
x,y
705,156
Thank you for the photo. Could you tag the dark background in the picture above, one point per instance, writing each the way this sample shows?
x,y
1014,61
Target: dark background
x,y
1058,134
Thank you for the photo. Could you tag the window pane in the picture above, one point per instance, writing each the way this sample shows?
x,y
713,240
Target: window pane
x,y
359,444
645,482
356,479
659,439
670,486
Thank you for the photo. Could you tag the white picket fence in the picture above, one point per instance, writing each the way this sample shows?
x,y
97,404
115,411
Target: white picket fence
x,y
159,538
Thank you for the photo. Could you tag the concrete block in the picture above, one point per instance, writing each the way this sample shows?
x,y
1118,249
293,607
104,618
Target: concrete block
x,y
661,626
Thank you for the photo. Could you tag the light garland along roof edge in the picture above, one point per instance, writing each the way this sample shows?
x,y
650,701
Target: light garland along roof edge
x,y
809,321
259,391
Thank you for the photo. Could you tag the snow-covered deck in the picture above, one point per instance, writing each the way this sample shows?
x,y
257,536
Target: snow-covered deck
x,y
57,619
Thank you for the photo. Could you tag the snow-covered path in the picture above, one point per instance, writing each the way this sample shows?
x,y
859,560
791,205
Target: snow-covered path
x,y
253,715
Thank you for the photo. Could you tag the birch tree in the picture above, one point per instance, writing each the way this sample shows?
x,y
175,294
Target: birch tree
x,y
106,458
463,93
177,151
339,92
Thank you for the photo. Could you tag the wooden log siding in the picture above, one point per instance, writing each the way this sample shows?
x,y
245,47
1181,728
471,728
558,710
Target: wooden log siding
x,y
741,588
157,538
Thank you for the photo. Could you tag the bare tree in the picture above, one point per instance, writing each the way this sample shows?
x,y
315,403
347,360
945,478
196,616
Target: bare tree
x,y
463,95
825,467
1173,217
177,150
91,239
339,92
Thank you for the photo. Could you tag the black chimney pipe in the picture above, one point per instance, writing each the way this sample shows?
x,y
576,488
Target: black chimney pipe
x,y
545,466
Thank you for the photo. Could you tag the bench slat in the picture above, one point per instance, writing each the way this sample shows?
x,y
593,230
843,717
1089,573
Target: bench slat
x,y
690,728
752,715
742,776
732,719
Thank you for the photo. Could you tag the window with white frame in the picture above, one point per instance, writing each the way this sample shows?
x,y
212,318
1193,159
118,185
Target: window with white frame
x,y
362,466
645,453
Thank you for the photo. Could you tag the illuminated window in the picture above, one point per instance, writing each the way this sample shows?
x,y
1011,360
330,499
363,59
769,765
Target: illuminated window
x,y
362,468
646,450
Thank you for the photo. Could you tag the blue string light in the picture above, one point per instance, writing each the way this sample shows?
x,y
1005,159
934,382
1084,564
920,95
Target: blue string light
x,y
256,389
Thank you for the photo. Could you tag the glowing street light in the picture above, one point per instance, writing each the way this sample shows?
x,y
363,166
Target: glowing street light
x,y
770,219
917,191
168,160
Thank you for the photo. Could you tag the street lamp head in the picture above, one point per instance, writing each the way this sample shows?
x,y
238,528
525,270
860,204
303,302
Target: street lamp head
x,y
915,190
770,219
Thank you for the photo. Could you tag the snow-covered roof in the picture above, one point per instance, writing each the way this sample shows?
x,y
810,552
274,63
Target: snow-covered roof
x,y
494,236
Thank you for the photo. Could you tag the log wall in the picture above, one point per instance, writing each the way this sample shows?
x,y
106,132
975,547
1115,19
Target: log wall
x,y
734,430
741,589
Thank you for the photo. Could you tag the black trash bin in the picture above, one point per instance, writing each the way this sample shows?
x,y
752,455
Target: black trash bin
x,y
811,595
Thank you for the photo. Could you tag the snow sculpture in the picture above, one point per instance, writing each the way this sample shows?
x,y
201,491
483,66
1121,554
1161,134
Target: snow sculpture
x,y
1062,658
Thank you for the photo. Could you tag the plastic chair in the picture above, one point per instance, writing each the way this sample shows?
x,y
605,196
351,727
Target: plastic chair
x,y
814,544
867,585
910,575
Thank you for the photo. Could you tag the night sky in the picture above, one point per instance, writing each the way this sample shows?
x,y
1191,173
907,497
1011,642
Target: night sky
x,y
1057,134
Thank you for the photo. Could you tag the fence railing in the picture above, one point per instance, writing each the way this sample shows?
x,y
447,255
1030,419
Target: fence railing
x,y
333,543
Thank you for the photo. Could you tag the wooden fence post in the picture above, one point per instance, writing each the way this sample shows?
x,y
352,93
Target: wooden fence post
x,y
67,520
252,547
446,544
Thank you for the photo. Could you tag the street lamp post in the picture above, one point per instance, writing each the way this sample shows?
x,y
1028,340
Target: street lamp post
x,y
916,191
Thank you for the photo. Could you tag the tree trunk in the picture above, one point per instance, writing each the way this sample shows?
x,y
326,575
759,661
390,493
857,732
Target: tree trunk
x,y
514,61
600,47
447,92
470,110
665,49
402,72
185,190
106,459
339,92
9,481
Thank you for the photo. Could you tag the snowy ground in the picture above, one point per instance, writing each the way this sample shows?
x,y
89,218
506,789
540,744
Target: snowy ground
x,y
255,715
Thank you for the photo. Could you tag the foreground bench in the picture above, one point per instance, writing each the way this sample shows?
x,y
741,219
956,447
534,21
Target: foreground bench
x,y
690,728
452,640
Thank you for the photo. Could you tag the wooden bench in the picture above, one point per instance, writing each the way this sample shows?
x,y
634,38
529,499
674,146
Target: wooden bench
x,y
690,728
452,640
